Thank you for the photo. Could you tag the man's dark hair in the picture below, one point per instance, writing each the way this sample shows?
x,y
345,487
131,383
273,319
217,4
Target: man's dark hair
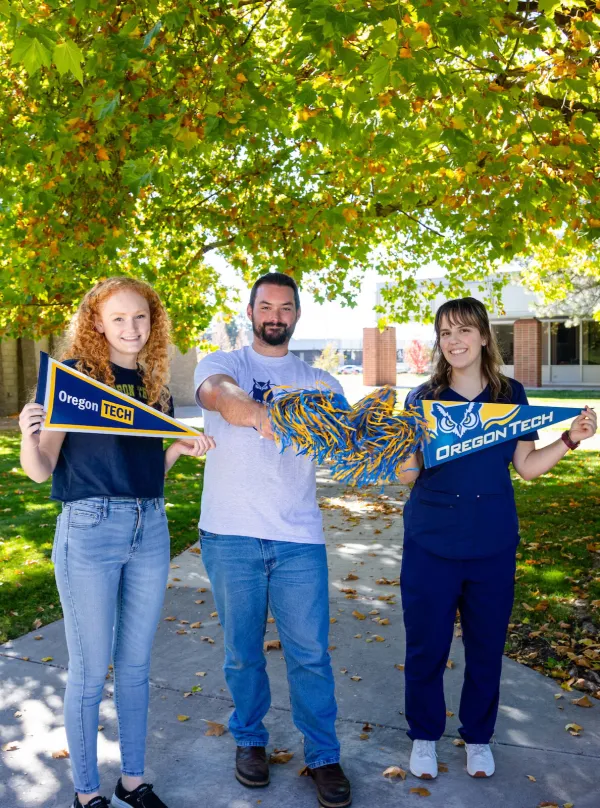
x,y
277,279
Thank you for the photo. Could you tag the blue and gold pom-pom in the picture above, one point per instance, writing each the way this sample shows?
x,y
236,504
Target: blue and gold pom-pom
x,y
367,444
315,423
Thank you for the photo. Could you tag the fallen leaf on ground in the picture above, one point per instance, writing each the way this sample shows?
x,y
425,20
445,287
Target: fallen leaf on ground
x,y
422,792
443,767
399,667
12,746
214,614
356,678
359,615
200,673
183,718
100,727
208,640
378,638
531,777
18,714
196,625
367,728
214,728
198,602
450,664
281,757
38,637
582,702
395,771
573,728
195,550
458,742
449,713
304,772
384,621
61,754
272,645
351,577
181,631
270,619
45,659
170,619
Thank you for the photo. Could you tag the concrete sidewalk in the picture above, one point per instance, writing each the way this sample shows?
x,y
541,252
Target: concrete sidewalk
x,y
191,769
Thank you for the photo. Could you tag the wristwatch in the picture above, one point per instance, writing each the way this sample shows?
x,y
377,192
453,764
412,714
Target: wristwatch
x,y
566,438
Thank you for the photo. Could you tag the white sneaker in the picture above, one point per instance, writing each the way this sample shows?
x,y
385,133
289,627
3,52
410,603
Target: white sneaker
x,y
480,761
423,760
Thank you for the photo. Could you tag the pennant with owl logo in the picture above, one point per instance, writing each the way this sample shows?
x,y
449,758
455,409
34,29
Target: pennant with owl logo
x,y
459,428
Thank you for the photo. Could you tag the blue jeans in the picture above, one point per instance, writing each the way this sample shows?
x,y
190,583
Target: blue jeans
x,y
248,576
111,558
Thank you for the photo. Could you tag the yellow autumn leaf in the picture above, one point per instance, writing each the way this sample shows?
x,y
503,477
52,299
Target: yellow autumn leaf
x,y
102,154
421,791
582,702
241,78
60,754
395,771
359,615
183,718
214,728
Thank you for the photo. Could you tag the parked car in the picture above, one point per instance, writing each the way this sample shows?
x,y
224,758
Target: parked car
x,y
350,369
402,367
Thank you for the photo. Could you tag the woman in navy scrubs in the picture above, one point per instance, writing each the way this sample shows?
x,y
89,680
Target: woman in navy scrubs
x,y
460,540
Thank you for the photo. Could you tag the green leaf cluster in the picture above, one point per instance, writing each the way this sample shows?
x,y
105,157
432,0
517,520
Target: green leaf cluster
x,y
315,137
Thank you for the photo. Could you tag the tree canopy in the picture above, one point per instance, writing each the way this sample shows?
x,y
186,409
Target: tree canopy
x,y
315,137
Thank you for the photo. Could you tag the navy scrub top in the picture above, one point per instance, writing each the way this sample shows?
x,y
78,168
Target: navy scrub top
x,y
465,508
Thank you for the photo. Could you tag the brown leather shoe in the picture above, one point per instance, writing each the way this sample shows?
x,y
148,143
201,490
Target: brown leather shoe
x,y
252,766
333,787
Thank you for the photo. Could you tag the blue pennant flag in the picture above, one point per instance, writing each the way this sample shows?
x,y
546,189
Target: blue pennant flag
x,y
75,402
457,428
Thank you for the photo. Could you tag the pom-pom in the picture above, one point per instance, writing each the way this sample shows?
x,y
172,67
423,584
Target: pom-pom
x,y
367,443
315,423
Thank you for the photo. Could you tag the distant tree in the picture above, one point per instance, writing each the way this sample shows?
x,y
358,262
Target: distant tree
x,y
330,358
417,356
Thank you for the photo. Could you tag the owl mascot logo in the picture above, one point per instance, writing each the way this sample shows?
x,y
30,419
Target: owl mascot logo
x,y
470,419
262,391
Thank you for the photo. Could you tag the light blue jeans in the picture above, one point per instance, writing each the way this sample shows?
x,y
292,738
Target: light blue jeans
x,y
111,558
248,576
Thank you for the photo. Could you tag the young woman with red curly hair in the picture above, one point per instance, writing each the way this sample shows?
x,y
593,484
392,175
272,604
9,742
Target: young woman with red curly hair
x,y
111,546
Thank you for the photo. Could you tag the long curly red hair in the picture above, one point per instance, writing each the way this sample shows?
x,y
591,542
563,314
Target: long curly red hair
x,y
91,349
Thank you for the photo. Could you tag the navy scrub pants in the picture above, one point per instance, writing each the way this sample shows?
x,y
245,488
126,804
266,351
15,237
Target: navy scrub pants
x,y
433,588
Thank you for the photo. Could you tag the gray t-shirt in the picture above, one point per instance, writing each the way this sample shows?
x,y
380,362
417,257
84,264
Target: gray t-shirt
x,y
250,488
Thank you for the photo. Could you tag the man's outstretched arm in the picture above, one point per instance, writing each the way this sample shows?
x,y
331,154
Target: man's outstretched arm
x,y
222,394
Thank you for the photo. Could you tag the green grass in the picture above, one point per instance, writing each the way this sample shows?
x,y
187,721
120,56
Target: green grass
x,y
575,395
27,522
558,569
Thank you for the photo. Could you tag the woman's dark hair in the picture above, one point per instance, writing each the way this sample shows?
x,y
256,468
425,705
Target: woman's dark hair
x,y
276,279
468,311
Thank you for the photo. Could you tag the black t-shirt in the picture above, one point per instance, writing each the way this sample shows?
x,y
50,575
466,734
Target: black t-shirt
x,y
92,465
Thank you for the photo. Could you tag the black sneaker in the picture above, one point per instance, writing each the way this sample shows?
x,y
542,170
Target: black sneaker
x,y
141,797
97,802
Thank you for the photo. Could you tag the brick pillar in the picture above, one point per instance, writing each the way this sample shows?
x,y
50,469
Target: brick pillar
x,y
9,382
528,352
27,365
379,356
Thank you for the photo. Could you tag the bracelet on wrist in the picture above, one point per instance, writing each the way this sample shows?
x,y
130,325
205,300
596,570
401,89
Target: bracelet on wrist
x,y
566,439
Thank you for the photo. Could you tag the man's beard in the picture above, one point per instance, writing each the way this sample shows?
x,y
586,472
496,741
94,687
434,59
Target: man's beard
x,y
279,335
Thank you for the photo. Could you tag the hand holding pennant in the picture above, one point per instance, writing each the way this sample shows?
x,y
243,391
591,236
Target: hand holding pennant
x,y
73,402
457,429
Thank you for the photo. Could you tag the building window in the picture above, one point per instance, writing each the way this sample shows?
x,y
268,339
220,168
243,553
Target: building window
x,y
504,334
591,342
564,344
